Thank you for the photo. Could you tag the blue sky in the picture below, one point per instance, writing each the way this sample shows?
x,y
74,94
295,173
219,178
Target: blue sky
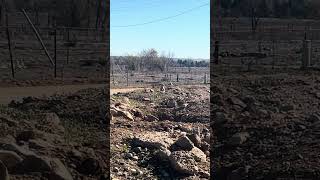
x,y
187,35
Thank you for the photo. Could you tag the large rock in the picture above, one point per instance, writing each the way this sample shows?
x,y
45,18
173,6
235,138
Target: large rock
x,y
39,144
4,175
126,115
198,155
185,128
42,164
76,154
238,138
34,163
162,154
126,100
195,138
150,117
183,143
114,112
183,162
89,166
10,159
205,146
52,118
11,146
236,101
137,113
153,140
59,171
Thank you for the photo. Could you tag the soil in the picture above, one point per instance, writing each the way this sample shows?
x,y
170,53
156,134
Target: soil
x,y
17,93
66,135
265,124
155,121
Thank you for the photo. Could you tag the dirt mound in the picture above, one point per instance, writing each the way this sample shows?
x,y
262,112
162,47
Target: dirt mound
x,y
265,126
58,137
160,133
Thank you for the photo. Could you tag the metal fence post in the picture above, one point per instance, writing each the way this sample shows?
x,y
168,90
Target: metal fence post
x,y
55,52
216,52
306,56
127,76
9,44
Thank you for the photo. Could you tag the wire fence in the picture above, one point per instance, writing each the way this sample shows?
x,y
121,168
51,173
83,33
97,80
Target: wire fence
x,y
267,46
79,52
120,76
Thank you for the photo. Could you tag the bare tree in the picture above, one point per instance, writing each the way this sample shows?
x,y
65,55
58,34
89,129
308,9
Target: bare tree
x,y
167,59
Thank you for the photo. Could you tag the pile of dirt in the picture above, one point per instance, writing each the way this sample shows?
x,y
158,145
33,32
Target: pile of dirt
x,y
58,137
161,133
266,126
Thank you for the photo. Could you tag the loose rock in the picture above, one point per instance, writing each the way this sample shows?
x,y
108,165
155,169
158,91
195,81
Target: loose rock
x,y
183,143
238,138
10,159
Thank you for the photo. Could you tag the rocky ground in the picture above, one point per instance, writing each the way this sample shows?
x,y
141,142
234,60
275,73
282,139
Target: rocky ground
x,y
266,125
61,137
161,133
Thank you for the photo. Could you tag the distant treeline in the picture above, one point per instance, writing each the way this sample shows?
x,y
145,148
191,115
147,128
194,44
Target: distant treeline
x,y
73,13
270,8
138,63
192,63
151,60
